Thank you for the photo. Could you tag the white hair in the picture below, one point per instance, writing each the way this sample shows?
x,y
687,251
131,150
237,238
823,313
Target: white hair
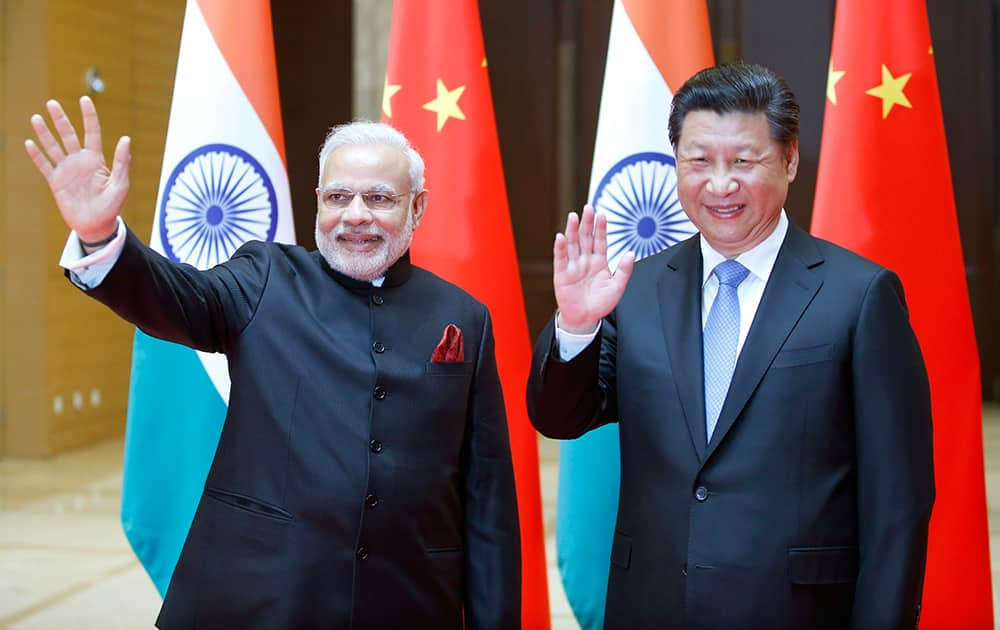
x,y
363,132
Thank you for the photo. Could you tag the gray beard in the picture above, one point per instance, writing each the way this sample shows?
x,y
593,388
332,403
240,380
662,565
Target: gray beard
x,y
365,267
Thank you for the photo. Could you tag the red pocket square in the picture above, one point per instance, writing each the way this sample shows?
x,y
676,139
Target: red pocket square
x,y
451,348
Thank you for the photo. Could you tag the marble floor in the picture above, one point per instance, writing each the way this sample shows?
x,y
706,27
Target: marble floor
x,y
64,562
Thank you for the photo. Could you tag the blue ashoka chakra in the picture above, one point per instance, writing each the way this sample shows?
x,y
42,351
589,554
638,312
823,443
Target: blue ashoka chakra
x,y
639,197
217,198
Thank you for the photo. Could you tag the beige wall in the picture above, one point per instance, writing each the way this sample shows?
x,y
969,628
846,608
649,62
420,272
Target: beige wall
x,y
3,223
65,359
372,19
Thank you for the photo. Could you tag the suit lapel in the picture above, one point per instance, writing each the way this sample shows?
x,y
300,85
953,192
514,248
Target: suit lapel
x,y
679,292
789,290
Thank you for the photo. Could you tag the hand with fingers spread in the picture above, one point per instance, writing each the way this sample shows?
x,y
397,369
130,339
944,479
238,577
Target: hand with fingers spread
x,y
585,288
90,197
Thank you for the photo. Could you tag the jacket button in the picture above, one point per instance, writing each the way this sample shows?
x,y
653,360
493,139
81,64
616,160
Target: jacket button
x,y
371,501
378,347
701,493
375,446
377,300
379,392
362,553
684,569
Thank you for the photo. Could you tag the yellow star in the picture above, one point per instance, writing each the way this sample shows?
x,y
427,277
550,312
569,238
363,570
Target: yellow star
x,y
832,77
446,104
930,51
484,62
891,91
388,91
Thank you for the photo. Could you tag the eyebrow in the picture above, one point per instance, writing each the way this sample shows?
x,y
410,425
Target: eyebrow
x,y
374,188
706,147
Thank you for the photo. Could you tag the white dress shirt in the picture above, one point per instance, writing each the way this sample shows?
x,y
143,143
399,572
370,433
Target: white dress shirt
x,y
759,261
89,270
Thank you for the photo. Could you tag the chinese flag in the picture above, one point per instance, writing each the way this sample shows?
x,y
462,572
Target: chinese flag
x,y
437,92
884,190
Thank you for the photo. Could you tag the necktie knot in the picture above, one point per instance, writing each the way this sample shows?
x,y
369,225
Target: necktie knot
x,y
730,273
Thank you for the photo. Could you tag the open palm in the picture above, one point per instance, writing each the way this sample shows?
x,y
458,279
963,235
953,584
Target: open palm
x,y
585,288
89,195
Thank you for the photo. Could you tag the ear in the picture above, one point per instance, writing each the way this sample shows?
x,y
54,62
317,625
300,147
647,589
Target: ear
x,y
792,159
418,207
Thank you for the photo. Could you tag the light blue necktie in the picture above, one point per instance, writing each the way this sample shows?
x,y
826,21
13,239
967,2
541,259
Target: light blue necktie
x,y
722,331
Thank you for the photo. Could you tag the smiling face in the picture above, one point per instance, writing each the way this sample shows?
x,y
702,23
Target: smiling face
x,y
733,177
356,240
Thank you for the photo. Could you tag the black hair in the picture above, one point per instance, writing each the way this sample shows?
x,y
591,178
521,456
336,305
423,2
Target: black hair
x,y
738,88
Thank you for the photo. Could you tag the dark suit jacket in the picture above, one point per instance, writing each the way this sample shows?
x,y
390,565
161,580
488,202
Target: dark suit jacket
x,y
810,506
355,484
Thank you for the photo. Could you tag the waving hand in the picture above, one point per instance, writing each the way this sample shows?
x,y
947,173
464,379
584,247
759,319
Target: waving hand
x,y
585,288
90,197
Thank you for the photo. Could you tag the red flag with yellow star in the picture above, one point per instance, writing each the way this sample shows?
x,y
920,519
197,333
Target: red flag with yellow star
x,y
884,190
437,92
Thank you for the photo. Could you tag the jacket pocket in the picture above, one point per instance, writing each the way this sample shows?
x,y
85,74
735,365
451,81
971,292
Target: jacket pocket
x,y
446,550
449,367
249,504
792,357
822,565
621,550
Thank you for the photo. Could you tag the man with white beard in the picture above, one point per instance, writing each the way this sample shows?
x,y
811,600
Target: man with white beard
x,y
363,477
363,240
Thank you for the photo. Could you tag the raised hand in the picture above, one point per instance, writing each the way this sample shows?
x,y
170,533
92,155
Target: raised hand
x,y
89,196
585,288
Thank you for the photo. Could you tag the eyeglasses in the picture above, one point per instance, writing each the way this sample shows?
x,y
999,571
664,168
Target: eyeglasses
x,y
341,198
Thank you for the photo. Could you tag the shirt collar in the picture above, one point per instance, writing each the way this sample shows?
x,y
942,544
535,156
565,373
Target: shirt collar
x,y
759,260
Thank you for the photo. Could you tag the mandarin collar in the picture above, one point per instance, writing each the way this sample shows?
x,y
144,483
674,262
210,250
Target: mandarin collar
x,y
398,273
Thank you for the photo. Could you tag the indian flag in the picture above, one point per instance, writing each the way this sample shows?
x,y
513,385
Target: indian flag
x,y
654,46
223,183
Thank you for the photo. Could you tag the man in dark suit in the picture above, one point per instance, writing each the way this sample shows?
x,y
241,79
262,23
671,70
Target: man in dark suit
x,y
774,412
363,478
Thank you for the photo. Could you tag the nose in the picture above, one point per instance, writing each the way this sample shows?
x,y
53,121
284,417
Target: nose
x,y
722,182
356,212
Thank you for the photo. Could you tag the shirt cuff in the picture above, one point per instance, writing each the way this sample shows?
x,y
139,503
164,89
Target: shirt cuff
x,y
572,344
88,271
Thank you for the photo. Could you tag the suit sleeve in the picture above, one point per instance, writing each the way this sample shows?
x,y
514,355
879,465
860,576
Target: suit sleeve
x,y
894,460
492,529
569,398
206,310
